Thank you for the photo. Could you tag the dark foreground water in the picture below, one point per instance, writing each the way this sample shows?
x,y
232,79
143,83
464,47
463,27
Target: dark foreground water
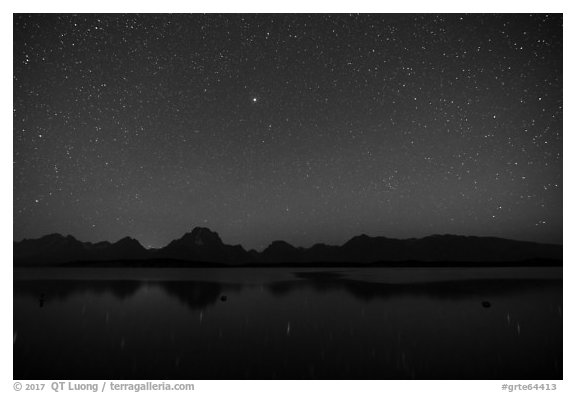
x,y
382,323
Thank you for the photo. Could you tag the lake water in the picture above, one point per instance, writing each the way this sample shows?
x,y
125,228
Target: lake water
x,y
280,323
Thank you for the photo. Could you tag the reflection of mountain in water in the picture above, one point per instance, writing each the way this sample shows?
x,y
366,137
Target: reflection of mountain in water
x,y
367,290
64,289
199,294
193,294
137,329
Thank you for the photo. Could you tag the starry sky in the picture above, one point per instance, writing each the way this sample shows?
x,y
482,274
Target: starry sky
x,y
306,128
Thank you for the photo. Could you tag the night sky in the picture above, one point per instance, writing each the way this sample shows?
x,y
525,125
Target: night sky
x,y
306,128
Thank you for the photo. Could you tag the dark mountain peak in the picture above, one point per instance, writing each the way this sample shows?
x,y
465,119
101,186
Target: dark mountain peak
x,y
203,245
49,248
322,246
201,236
127,240
281,251
197,230
280,245
102,244
125,248
51,236
363,238
54,237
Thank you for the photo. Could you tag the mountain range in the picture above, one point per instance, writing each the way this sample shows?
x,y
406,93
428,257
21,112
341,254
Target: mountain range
x,y
203,247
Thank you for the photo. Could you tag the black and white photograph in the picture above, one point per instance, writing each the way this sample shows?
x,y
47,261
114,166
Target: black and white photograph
x,y
288,196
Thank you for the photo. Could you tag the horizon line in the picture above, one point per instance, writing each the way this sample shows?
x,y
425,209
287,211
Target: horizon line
x,y
281,240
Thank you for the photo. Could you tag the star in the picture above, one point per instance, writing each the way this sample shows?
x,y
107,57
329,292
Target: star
x,y
233,126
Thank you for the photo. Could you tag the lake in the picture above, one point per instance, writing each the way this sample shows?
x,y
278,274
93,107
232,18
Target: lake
x,y
288,323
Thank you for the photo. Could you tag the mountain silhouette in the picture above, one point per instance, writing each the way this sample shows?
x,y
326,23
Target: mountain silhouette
x,y
203,247
57,249
280,251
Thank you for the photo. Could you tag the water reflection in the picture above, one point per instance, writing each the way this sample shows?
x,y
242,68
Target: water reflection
x,y
447,290
317,325
194,294
199,294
